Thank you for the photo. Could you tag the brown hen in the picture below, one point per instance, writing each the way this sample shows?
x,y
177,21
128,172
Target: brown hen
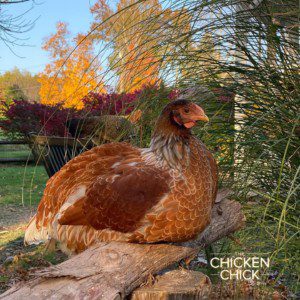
x,y
122,193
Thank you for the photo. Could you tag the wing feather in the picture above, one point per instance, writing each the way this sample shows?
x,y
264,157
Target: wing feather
x,y
82,170
120,199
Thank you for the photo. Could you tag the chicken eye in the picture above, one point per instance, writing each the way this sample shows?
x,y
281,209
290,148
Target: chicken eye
x,y
186,110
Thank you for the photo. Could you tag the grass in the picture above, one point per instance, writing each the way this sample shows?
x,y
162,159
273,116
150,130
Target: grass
x,y
22,260
21,184
16,154
10,236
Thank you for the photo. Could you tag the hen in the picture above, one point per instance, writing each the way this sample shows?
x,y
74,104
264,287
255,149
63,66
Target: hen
x,y
122,193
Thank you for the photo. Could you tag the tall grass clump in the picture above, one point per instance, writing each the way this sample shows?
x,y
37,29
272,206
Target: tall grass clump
x,y
247,54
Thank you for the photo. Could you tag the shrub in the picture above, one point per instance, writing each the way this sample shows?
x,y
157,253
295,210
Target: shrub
x,y
22,118
124,103
111,104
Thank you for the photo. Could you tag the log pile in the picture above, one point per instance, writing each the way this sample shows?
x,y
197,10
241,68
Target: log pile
x,y
114,270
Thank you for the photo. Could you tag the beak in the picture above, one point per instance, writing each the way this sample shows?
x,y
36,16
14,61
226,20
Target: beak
x,y
203,118
199,114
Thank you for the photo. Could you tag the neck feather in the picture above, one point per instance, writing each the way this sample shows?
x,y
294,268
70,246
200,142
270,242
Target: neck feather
x,y
171,142
172,149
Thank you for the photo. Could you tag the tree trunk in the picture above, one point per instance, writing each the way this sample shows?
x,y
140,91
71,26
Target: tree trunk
x,y
113,270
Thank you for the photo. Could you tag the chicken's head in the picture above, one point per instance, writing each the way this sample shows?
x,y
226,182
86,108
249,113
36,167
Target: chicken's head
x,y
185,113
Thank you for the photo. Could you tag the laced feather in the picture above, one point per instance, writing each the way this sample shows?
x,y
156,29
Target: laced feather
x,y
172,150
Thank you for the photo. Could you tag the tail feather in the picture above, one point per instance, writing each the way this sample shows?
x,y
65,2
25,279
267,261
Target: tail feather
x,y
34,235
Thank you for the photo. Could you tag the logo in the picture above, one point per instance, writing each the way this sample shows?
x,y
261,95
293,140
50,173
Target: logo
x,y
240,267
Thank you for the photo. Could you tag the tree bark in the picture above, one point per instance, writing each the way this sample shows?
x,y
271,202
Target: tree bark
x,y
113,270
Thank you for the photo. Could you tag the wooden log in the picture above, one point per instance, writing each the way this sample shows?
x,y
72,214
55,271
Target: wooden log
x,y
113,270
176,284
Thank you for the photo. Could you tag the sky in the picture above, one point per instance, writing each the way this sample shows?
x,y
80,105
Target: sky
x,y
47,12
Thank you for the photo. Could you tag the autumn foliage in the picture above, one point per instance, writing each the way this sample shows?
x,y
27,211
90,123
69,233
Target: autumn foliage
x,y
72,72
111,104
134,58
22,118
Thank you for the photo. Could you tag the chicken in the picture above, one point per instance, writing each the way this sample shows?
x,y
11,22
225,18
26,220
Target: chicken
x,y
118,192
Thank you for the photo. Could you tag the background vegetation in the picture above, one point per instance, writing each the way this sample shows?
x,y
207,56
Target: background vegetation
x,y
243,58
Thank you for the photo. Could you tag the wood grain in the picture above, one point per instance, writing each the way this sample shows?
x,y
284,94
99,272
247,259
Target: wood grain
x,y
113,270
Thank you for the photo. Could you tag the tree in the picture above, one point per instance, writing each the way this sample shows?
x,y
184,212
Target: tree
x,y
72,73
14,92
25,81
134,56
11,26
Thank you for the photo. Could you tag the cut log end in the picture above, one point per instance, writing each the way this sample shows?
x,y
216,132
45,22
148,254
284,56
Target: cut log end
x,y
176,284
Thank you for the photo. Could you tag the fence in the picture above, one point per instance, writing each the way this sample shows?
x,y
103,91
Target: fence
x,y
15,152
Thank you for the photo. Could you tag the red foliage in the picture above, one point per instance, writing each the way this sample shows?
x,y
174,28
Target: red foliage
x,y
112,104
23,118
173,94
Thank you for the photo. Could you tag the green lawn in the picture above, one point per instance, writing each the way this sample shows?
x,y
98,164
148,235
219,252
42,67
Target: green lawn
x,y
16,154
15,151
21,184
